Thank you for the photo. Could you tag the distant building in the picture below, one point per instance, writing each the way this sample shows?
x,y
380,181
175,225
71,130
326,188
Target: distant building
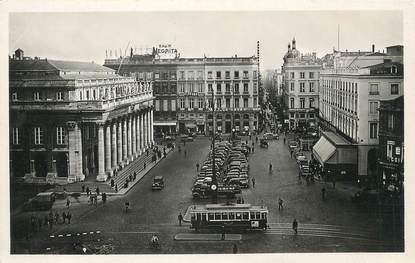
x,y
391,144
182,87
301,74
351,86
70,120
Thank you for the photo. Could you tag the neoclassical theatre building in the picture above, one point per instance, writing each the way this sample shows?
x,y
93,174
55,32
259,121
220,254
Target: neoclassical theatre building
x,y
75,121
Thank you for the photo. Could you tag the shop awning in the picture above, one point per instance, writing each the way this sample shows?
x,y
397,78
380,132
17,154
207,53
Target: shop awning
x,y
323,150
171,123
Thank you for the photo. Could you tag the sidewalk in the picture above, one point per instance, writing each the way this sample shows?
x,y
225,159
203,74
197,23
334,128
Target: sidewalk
x,y
105,187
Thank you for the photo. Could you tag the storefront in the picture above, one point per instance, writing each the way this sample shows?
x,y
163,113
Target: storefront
x,y
337,156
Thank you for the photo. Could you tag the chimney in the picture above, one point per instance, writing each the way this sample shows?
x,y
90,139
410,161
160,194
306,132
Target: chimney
x,y
373,48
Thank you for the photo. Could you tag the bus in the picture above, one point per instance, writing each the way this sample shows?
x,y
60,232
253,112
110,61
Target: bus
x,y
229,215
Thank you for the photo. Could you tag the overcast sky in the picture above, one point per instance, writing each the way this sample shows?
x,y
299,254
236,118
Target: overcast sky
x,y
86,36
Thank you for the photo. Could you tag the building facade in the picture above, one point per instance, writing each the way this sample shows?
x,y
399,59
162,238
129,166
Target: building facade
x,y
75,120
301,80
234,82
391,145
350,91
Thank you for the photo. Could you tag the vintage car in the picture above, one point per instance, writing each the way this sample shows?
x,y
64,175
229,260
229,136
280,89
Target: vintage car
x,y
158,183
263,143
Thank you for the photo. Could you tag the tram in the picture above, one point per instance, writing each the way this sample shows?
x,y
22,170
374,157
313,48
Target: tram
x,y
239,216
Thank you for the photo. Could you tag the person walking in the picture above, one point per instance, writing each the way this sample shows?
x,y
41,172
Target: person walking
x,y
295,226
64,217
280,202
270,167
256,139
223,233
145,165
127,206
87,191
67,202
116,188
235,249
323,193
135,175
83,188
69,216
112,183
180,218
253,182
104,198
197,167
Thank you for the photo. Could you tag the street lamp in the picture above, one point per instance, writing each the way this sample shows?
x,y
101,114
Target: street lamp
x,y
214,186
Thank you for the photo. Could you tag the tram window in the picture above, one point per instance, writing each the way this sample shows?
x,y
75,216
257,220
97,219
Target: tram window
x,y
198,216
192,217
238,215
252,215
203,216
263,215
258,215
245,215
232,215
217,216
210,216
225,216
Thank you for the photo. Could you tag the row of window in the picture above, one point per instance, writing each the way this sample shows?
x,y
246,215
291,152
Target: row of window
x,y
37,96
200,103
38,135
228,216
351,87
302,87
311,102
218,75
301,115
302,75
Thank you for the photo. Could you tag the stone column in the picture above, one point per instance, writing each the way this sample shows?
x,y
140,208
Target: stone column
x,y
148,129
134,136
108,148
141,132
138,134
119,141
124,141
101,176
75,152
129,138
152,126
114,145
145,131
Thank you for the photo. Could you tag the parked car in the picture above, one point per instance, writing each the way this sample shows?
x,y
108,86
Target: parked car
x,y
158,183
293,145
42,201
271,136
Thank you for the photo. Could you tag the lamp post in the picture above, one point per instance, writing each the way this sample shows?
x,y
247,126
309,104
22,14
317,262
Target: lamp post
x,y
214,186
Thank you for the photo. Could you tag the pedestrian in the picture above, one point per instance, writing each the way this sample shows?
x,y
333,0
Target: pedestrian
x,y
334,183
135,175
291,154
87,191
147,152
180,218
67,202
45,220
256,139
197,167
127,206
253,144
280,202
104,198
284,140
253,182
223,233
270,167
69,216
56,217
112,183
145,165
235,249
253,149
33,222
83,188
116,188
97,191
323,193
64,217
295,226
39,222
